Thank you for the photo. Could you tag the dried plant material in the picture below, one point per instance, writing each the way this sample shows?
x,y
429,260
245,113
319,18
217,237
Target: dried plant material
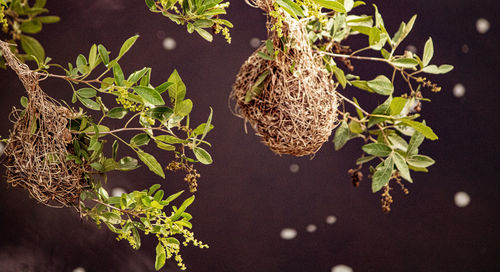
x,y
38,144
288,97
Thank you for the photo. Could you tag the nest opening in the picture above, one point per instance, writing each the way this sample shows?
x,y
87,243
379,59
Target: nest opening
x,y
296,109
35,155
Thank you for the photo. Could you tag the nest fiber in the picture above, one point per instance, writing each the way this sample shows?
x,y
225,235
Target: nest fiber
x,y
38,144
296,110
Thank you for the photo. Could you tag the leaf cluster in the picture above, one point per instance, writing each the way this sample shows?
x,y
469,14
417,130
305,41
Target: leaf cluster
x,y
197,15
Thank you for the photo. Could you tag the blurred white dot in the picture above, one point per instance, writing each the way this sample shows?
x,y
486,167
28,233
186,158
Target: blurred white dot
x,y
117,191
311,228
160,34
2,147
288,234
465,49
169,43
342,268
459,90
294,168
462,199
79,269
255,42
412,48
331,219
482,25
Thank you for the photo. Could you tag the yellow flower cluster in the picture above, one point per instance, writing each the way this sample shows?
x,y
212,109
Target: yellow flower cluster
x,y
278,25
3,21
225,31
125,102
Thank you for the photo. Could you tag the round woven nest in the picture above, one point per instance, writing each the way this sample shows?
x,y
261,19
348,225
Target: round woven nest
x,y
296,109
35,155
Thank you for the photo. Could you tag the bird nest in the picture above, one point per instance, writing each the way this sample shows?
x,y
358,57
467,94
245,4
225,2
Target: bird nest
x,y
35,155
296,109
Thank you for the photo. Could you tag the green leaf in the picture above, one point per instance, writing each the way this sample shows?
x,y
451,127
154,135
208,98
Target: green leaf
x,y
416,140
270,47
361,84
151,162
382,109
257,87
340,76
182,208
364,159
169,139
86,93
383,174
93,56
377,149
400,162
151,5
201,128
39,3
117,113
127,45
341,135
172,197
264,56
204,34
89,103
177,90
31,27
165,146
433,69
112,218
137,238
381,85
149,95
32,47
140,139
92,129
184,108
422,128
24,101
291,8
397,142
428,52
48,19
135,76
81,64
420,161
405,63
202,155
348,5
161,255
114,149
103,54
397,105
118,75
331,4
163,87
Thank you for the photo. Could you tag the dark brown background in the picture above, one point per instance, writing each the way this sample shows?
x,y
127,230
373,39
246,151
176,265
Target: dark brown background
x,y
249,194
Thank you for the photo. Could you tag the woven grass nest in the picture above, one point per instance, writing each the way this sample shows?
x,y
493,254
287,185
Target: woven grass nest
x,y
296,110
35,155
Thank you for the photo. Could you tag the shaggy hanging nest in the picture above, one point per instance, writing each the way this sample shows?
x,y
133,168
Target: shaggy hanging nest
x,y
35,155
296,109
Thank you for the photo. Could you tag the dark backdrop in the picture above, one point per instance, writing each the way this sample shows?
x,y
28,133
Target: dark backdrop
x,y
249,194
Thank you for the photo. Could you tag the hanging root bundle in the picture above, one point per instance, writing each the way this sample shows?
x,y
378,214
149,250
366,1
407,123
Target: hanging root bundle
x,y
38,144
290,101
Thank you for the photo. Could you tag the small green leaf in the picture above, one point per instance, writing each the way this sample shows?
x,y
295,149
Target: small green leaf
x,y
114,149
172,197
32,47
86,93
291,8
182,208
204,34
428,52
382,175
382,109
127,45
340,76
151,162
184,108
199,130
140,139
202,155
165,146
135,76
381,85
331,4
264,56
422,128
91,104
397,105
149,95
161,255
177,90
118,75
112,218
341,135
92,129
103,54
400,162
420,161
405,63
397,142
257,87
270,47
377,149
169,139
364,159
31,27
24,101
48,19
117,113
433,69
163,87
416,140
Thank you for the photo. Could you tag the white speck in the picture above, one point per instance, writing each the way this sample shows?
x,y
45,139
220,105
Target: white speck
x,y
311,228
169,43
79,269
412,48
255,42
465,49
117,191
160,34
294,168
462,199
2,147
331,219
482,25
459,90
288,234
342,268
